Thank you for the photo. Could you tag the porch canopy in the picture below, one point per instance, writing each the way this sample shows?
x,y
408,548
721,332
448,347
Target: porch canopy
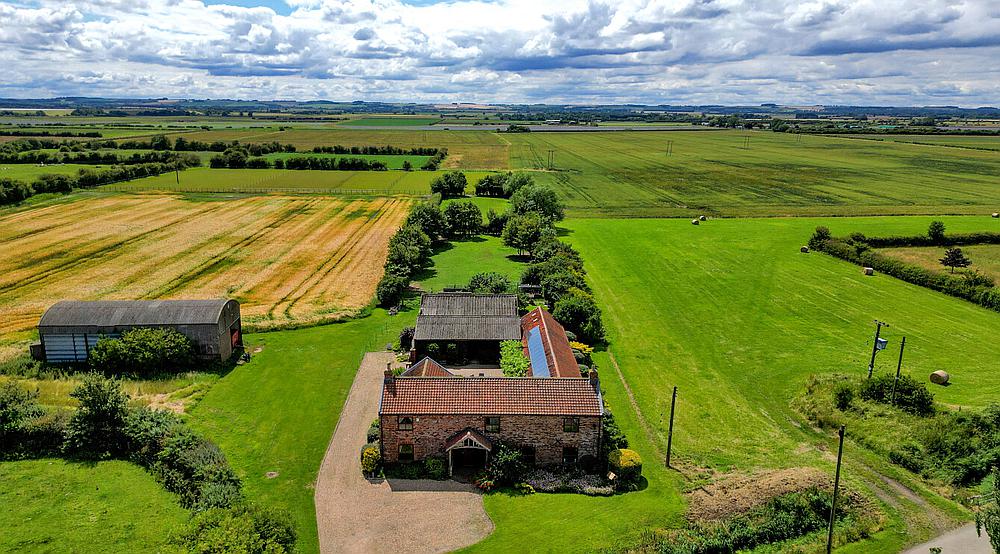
x,y
469,438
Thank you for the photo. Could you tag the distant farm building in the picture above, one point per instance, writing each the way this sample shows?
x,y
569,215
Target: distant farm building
x,y
69,329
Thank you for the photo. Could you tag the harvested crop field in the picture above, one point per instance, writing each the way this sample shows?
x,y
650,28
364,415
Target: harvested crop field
x,y
287,260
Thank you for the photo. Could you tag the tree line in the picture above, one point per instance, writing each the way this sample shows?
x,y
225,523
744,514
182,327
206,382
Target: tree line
x,y
379,150
32,133
13,191
96,157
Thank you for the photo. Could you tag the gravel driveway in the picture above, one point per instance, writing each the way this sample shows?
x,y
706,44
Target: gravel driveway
x,y
398,516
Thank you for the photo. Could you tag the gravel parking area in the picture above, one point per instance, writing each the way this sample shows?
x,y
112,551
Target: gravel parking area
x,y
358,515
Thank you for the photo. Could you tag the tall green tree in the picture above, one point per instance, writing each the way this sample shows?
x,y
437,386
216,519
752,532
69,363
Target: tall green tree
x,y
936,231
540,199
523,232
463,218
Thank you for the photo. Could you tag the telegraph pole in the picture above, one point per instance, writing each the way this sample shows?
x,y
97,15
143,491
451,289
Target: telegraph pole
x,y
899,366
878,331
836,485
670,432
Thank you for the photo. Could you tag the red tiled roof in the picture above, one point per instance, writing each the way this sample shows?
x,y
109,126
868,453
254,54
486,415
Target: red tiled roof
x,y
468,433
490,396
427,368
558,352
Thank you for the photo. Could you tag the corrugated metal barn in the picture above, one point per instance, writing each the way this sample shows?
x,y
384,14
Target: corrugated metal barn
x,y
69,329
471,325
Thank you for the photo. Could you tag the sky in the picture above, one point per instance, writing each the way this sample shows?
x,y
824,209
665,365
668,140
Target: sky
x,y
859,52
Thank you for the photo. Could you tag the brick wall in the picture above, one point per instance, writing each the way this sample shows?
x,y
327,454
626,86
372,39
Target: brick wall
x,y
545,433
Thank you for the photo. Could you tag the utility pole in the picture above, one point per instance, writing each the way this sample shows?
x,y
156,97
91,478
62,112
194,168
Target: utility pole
x,y
899,366
836,485
552,158
670,432
878,331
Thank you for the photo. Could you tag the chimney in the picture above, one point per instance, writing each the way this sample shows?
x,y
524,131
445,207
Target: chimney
x,y
389,377
594,380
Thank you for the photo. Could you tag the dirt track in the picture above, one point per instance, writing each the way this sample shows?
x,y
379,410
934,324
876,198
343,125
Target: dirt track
x,y
355,515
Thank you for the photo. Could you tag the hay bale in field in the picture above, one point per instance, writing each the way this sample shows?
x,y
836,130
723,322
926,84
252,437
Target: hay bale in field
x,y
702,218
694,222
804,249
940,377
869,271
995,215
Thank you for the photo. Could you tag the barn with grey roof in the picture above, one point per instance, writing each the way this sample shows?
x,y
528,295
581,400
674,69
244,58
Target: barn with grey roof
x,y
465,328
69,329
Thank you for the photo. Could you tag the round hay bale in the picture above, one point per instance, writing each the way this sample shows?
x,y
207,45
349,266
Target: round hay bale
x,y
702,218
996,215
869,271
804,249
940,377
694,222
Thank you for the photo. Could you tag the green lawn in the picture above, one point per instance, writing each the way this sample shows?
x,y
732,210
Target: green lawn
x,y
455,263
629,174
985,257
51,505
499,205
204,179
278,412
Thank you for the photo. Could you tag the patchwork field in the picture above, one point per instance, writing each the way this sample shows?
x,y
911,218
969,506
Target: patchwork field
x,y
397,121
372,183
629,174
29,172
286,259
985,258
466,149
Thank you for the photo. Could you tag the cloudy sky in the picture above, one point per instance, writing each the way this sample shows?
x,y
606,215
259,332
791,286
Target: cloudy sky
x,y
867,52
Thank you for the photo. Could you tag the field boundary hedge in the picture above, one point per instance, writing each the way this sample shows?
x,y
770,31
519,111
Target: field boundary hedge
x,y
860,250
260,190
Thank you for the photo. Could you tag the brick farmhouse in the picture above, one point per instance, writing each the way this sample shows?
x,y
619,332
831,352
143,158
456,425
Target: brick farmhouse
x,y
461,412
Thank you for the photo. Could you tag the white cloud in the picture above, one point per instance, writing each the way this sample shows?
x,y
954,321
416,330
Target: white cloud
x,y
652,51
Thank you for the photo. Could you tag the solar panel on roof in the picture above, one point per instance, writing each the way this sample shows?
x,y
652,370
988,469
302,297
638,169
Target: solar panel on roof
x,y
536,353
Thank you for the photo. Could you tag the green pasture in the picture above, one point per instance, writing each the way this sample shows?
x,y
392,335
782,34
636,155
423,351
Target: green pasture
x,y
456,262
734,315
396,121
485,204
205,179
107,132
630,174
51,505
30,172
985,258
961,141
392,162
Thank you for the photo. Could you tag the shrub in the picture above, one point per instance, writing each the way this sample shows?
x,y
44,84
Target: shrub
x,y
516,182
406,338
436,469
843,395
195,469
243,528
513,362
506,465
627,465
143,351
578,312
614,437
96,429
490,283
18,406
911,395
26,429
371,458
936,231
390,289
145,431
819,237
542,480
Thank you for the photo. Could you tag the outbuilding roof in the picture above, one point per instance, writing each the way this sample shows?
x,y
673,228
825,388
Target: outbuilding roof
x,y
427,367
125,313
547,346
490,396
461,316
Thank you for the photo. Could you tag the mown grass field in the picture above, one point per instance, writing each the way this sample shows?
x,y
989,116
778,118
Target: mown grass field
x,y
961,141
985,258
630,175
30,172
466,149
278,412
372,183
395,121
392,162
287,259
51,505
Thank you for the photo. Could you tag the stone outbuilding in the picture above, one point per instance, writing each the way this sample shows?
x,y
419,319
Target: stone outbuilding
x,y
69,329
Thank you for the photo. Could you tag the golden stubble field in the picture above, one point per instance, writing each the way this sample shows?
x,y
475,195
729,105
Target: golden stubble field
x,y
286,259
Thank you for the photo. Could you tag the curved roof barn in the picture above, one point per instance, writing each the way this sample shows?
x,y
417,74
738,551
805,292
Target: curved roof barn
x,y
133,313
